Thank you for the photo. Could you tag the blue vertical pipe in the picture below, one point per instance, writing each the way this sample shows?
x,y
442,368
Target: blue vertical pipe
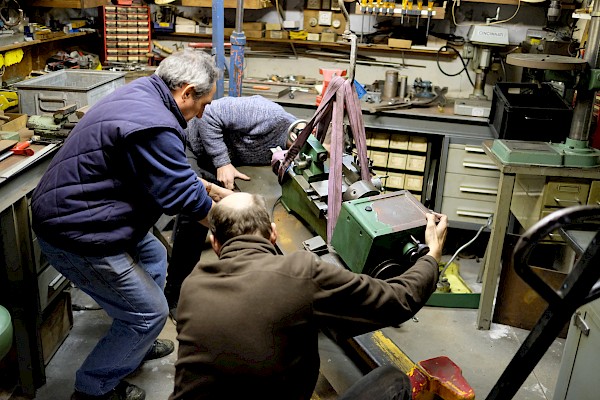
x,y
236,54
218,42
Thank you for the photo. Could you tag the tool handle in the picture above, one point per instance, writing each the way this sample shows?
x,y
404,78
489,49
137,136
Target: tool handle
x,y
23,152
21,146
22,149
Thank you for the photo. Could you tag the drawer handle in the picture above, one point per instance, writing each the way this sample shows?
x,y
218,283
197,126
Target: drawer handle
x,y
474,149
465,213
576,201
56,282
478,190
479,165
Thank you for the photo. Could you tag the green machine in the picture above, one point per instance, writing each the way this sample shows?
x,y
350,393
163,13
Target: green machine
x,y
377,235
305,190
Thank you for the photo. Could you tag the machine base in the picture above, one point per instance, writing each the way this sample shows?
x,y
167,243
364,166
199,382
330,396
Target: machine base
x,y
572,153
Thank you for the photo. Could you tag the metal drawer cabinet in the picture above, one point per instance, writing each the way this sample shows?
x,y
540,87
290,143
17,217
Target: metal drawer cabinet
x,y
470,185
577,378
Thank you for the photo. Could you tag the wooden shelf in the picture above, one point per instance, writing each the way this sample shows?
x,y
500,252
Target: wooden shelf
x,y
19,43
69,3
248,4
306,43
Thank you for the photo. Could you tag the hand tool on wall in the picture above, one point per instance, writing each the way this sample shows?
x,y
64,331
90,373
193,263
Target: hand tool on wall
x,y
21,149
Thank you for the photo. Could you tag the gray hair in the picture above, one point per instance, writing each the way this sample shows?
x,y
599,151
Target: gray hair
x,y
189,67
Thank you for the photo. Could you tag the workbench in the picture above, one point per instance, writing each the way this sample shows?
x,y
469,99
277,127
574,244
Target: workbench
x,y
508,175
20,272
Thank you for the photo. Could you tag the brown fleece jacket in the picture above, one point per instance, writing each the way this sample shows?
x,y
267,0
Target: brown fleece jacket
x,y
248,323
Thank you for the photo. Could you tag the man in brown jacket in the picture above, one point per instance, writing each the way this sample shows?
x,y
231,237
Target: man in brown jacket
x,y
248,323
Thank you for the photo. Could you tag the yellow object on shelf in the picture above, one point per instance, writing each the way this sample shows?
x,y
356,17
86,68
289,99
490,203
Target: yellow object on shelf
x,y
299,35
11,57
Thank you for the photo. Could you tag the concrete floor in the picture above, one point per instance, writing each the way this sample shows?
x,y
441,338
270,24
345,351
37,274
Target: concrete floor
x,y
436,331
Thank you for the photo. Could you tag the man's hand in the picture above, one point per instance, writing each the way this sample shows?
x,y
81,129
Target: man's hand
x,y
227,175
217,192
435,235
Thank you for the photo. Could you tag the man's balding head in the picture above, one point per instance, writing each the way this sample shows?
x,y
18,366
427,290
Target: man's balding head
x,y
239,214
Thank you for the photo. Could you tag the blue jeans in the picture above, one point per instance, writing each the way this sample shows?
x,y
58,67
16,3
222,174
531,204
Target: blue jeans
x,y
129,286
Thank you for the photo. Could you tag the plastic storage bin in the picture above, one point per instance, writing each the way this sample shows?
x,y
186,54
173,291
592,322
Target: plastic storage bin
x,y
48,93
526,111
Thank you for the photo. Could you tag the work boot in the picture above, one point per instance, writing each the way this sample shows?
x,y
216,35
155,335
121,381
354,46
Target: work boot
x,y
123,391
159,349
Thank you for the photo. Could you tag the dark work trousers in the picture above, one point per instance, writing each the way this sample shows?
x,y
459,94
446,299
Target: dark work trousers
x,y
188,239
382,383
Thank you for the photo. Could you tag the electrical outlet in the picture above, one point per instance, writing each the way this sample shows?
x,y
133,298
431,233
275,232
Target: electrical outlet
x,y
468,51
325,18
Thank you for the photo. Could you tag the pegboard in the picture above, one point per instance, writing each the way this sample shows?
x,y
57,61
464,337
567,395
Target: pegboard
x,y
337,16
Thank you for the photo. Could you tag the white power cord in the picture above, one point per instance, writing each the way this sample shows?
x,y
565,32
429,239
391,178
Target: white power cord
x,y
464,246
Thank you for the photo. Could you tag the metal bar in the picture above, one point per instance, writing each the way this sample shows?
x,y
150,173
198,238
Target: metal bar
x,y
582,113
218,42
236,54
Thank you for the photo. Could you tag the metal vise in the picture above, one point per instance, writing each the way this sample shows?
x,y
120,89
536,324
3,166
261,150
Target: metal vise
x,y
56,124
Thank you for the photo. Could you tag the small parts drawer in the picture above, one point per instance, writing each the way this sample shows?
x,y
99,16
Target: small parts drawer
x,y
471,187
466,210
565,193
470,160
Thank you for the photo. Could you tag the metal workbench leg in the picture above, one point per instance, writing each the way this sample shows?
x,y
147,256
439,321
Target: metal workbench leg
x,y
494,251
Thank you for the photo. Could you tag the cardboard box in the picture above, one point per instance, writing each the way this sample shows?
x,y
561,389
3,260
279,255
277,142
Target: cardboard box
x,y
314,37
400,43
329,37
228,31
16,122
185,28
270,26
253,26
278,34
255,34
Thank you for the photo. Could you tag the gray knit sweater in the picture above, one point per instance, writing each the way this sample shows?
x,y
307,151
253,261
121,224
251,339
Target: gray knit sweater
x,y
239,130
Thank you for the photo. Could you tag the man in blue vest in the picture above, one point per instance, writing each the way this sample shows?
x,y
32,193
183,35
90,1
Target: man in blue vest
x,y
120,169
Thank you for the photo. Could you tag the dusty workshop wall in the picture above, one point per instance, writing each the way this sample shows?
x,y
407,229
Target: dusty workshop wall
x,y
426,67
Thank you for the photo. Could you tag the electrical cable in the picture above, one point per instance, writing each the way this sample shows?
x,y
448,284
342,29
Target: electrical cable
x,y
488,23
464,246
437,60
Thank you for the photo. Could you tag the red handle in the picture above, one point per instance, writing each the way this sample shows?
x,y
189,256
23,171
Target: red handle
x,y
22,149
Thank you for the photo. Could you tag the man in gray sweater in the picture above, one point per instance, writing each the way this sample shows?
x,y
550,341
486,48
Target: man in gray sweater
x,y
238,131
232,131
